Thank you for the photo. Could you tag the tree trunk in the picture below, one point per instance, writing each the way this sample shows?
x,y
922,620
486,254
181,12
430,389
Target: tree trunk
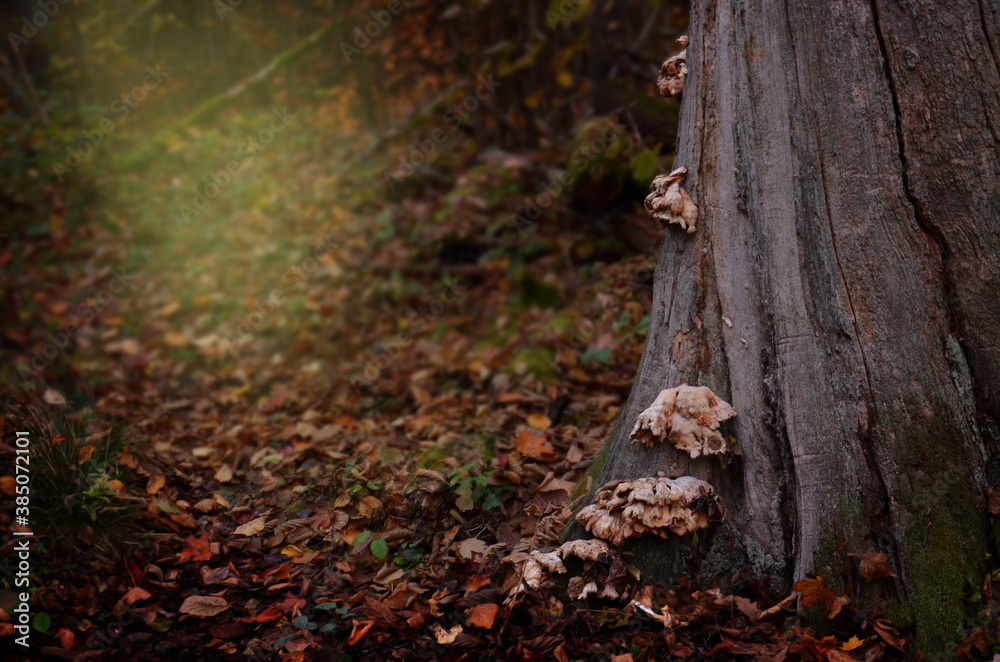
x,y
841,292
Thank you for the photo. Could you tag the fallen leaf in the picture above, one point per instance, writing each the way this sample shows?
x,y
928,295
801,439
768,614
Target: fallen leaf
x,y
251,528
66,638
199,549
873,566
852,643
446,636
135,594
889,634
53,397
839,603
358,630
7,485
626,657
482,616
224,474
469,547
539,421
272,613
477,582
536,446
815,592
203,606
86,452
155,483
175,339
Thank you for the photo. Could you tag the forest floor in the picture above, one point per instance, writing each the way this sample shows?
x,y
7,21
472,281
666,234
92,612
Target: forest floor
x,y
315,422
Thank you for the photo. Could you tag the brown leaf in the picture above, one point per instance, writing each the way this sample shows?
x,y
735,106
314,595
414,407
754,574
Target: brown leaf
x,y
7,485
86,452
539,421
135,594
536,446
204,606
199,549
358,630
873,566
815,592
251,528
839,603
993,500
889,634
482,616
477,582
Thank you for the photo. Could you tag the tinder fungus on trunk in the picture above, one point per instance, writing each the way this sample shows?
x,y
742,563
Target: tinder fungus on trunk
x,y
668,201
689,417
673,72
629,509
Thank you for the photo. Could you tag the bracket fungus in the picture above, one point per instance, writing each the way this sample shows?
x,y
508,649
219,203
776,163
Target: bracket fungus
x,y
673,72
689,417
668,201
627,509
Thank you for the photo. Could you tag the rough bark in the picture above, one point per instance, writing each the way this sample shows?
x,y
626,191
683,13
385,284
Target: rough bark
x,y
841,292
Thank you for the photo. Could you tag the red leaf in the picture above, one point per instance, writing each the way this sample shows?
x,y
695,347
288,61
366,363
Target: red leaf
x,y
199,549
66,638
536,446
272,613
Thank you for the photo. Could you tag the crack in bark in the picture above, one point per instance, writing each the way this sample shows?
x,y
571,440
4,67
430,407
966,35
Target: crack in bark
x,y
989,42
920,214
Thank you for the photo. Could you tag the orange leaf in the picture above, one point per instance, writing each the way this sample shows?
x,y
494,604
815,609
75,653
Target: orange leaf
x,y
358,630
477,582
873,566
135,594
446,636
536,446
815,592
155,483
482,616
539,421
852,643
86,453
7,485
199,549
270,614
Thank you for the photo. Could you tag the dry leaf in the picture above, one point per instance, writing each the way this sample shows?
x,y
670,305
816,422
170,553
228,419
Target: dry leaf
x,y
251,528
470,547
199,549
204,606
446,636
135,594
482,616
155,483
53,397
815,592
536,446
358,630
852,643
8,485
224,474
873,566
86,452
539,421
